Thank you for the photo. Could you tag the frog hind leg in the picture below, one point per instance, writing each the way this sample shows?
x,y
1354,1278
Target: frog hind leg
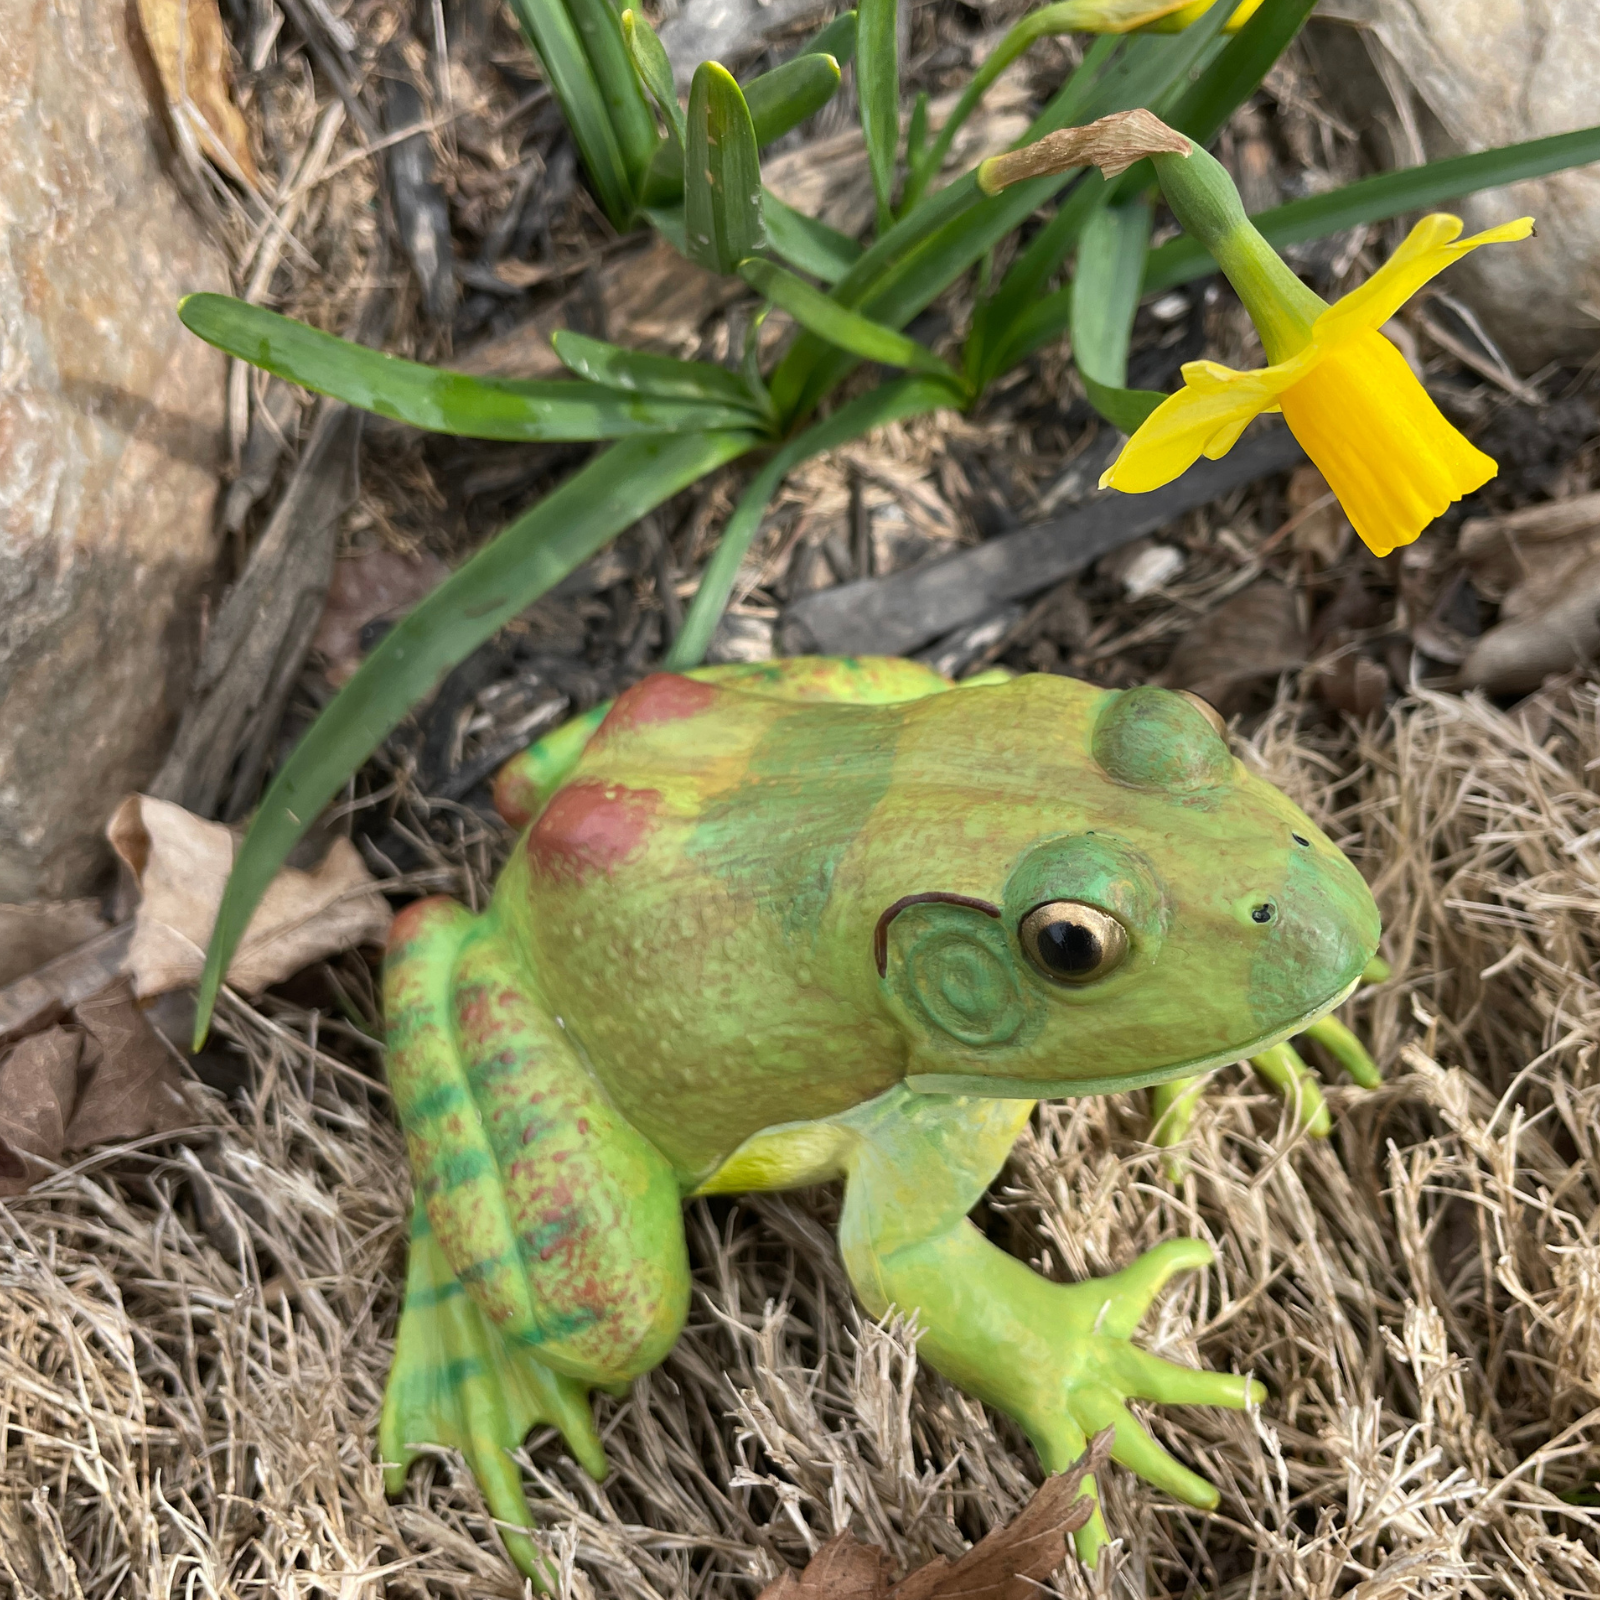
x,y
547,1247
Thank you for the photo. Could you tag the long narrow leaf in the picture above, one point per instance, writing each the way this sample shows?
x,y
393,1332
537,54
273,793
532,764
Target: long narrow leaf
x,y
783,98
654,67
829,320
445,402
532,555
805,243
1388,194
889,402
838,40
556,42
878,87
640,372
722,173
1105,297
635,129
1233,77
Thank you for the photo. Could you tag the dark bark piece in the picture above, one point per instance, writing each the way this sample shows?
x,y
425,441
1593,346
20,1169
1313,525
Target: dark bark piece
x,y
899,614
421,211
264,627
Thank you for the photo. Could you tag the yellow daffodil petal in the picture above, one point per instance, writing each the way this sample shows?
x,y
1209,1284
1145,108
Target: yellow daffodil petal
x,y
1388,454
1205,417
1170,440
1429,248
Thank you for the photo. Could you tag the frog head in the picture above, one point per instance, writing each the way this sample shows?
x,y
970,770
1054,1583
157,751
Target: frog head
x,y
1162,910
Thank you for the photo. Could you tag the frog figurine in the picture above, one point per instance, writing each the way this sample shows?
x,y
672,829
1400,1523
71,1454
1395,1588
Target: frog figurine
x,y
773,925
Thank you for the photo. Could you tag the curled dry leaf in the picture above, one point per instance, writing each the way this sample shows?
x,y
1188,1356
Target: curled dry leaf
x,y
1240,648
181,863
1113,144
1009,1563
370,587
190,52
100,1077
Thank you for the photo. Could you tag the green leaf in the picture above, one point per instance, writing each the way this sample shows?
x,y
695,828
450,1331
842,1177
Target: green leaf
x,y
783,98
1388,194
1105,298
532,555
1146,71
446,402
889,402
601,31
805,243
660,377
878,87
654,68
1233,77
954,227
829,320
556,42
722,173
838,40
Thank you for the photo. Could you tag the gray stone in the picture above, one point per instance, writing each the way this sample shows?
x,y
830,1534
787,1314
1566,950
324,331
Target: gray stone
x,y
111,421
1493,72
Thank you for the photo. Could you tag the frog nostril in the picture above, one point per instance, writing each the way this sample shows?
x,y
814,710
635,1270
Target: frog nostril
x,y
1264,912
1305,844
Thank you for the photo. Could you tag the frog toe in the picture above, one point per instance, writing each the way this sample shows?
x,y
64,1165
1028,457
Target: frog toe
x,y
1116,1305
460,1383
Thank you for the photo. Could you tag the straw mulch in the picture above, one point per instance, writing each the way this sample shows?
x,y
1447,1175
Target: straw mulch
x,y
193,1337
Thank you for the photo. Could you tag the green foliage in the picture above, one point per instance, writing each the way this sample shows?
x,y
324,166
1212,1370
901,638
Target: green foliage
x,y
722,220
694,174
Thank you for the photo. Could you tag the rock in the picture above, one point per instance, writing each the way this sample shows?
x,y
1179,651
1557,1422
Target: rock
x,y
1495,72
111,420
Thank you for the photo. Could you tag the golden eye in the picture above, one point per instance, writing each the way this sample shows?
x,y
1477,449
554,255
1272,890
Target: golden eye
x,y
1206,710
1070,942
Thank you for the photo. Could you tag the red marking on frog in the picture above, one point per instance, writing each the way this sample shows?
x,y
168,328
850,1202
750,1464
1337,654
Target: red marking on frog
x,y
412,922
591,827
662,697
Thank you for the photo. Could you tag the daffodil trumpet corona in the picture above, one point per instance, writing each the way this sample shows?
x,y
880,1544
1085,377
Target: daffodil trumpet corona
x,y
1346,392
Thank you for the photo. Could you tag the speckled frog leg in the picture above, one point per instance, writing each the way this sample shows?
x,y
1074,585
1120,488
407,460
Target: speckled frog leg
x,y
547,1248
1056,1357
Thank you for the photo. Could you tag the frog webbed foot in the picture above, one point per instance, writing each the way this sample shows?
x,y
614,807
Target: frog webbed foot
x,y
1098,1371
1172,1104
459,1382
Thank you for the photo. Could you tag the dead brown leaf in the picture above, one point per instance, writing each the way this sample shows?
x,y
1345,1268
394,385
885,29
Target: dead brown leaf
x,y
1009,1563
366,588
190,52
102,1077
1233,652
31,935
1113,144
181,863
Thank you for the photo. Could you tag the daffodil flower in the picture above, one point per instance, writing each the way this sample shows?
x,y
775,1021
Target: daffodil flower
x,y
1346,392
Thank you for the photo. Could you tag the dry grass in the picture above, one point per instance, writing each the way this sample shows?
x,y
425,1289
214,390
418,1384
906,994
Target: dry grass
x,y
193,1337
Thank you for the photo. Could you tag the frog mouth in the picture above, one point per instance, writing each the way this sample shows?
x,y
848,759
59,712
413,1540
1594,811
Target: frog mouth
x,y
1007,1088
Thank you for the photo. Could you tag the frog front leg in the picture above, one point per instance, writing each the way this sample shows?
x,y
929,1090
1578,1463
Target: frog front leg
x,y
1056,1357
547,1247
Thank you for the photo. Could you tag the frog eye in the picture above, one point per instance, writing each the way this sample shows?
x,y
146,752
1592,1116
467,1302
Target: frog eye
x,y
1206,710
1070,942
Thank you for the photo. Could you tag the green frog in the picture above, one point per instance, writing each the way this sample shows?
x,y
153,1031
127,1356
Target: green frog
x,y
775,925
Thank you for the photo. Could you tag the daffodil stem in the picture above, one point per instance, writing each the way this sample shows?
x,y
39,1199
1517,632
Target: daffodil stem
x,y
1203,199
